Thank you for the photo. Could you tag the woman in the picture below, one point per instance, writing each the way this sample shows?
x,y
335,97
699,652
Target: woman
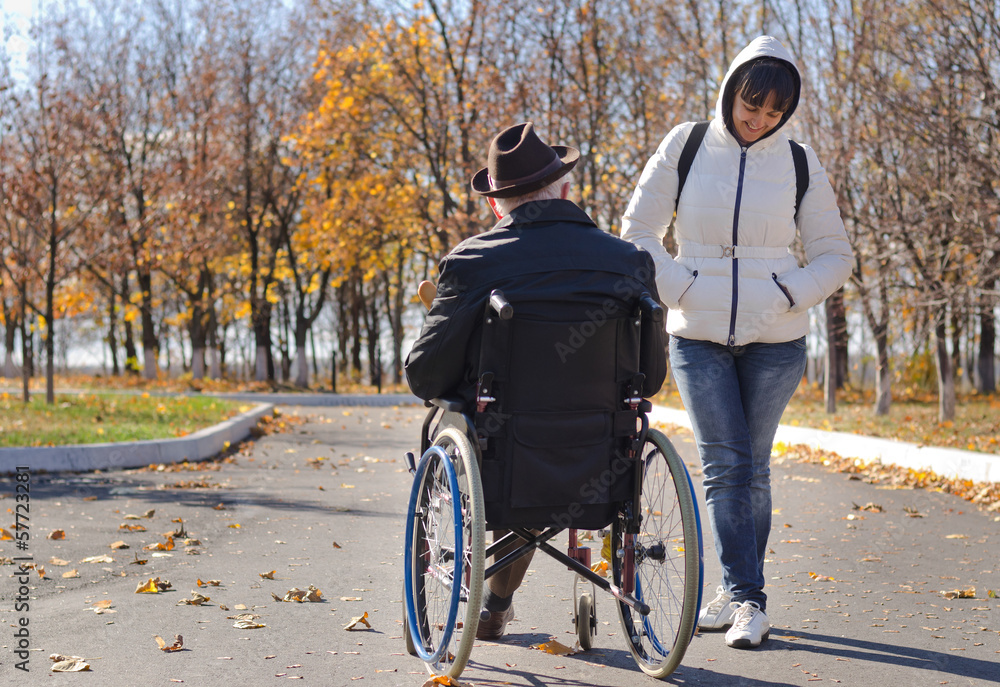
x,y
738,303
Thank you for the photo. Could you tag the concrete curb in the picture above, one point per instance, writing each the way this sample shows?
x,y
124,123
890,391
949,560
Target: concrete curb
x,y
200,445
307,399
947,462
951,463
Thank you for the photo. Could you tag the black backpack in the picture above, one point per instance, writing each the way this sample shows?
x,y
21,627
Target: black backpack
x,y
693,143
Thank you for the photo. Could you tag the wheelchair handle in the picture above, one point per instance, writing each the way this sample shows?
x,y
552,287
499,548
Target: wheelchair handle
x,y
650,308
504,309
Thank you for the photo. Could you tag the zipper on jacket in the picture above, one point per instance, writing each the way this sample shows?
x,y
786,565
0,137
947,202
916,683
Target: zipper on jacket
x,y
736,226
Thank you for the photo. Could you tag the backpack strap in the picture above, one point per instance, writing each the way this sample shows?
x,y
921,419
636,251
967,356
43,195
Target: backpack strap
x,y
801,173
693,143
691,146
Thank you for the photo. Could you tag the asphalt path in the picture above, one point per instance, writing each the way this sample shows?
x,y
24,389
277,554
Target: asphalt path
x,y
855,596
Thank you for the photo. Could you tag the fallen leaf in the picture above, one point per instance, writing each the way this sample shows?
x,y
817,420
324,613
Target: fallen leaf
x,y
69,574
161,546
138,561
119,545
154,585
131,528
359,620
72,665
301,595
195,600
58,561
821,578
247,625
268,575
209,583
554,647
103,558
56,534
969,593
445,680
337,546
600,567
957,536
103,603
5,535
177,645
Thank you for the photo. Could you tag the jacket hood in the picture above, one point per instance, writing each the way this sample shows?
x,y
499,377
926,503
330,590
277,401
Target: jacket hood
x,y
760,47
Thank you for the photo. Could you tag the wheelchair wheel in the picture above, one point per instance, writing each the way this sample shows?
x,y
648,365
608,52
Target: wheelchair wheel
x,y
663,561
407,637
444,561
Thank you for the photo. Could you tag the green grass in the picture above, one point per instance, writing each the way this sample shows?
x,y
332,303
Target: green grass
x,y
89,418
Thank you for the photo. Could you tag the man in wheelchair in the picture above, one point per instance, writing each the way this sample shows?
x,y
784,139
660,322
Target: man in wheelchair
x,y
553,390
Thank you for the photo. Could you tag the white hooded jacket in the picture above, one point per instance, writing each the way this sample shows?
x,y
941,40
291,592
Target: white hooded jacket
x,y
734,280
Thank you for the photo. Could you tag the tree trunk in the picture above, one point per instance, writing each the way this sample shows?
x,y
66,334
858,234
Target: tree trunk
x,y
301,356
263,362
945,373
50,321
837,326
987,345
9,334
370,313
395,303
198,333
343,333
883,376
830,377
357,298
149,342
214,354
958,369
113,332
333,370
26,352
131,354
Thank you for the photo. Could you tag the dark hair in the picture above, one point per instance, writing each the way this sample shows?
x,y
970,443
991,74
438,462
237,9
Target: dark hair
x,y
763,77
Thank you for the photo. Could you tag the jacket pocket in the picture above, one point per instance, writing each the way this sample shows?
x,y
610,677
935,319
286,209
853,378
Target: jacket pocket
x,y
788,296
684,293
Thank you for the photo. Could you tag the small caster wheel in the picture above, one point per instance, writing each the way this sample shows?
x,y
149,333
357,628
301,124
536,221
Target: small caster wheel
x,y
586,621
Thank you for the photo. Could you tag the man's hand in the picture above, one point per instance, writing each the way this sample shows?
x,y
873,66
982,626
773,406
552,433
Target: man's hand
x,y
426,292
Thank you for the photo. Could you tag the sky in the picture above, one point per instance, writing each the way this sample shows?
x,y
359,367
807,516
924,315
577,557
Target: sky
x,y
14,19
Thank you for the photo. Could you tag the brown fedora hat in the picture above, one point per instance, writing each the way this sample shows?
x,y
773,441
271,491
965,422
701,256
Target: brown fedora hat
x,y
520,162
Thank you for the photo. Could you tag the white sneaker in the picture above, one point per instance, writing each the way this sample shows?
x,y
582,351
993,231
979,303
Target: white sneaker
x,y
750,626
717,614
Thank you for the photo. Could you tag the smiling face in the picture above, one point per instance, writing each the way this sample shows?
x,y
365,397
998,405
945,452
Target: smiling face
x,y
751,123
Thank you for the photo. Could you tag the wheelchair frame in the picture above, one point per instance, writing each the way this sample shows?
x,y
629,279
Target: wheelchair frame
x,y
642,562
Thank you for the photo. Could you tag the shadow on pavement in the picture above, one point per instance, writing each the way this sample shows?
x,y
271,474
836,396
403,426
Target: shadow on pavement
x,y
62,485
887,654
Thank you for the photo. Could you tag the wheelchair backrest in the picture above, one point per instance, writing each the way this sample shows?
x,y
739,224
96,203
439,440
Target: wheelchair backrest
x,y
556,425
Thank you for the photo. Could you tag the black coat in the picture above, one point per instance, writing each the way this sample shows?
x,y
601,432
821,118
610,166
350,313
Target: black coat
x,y
551,261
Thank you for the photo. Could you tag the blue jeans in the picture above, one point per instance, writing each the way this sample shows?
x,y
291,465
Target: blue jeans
x,y
735,397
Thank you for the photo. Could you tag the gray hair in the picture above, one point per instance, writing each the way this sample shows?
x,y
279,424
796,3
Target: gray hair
x,y
551,192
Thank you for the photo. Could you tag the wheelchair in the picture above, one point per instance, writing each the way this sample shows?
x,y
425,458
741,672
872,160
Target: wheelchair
x,y
558,440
